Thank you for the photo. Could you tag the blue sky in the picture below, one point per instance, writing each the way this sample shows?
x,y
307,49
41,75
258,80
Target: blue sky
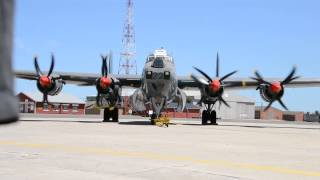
x,y
270,36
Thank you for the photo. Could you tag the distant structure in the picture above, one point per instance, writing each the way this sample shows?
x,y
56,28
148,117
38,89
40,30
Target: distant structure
x,y
127,62
31,102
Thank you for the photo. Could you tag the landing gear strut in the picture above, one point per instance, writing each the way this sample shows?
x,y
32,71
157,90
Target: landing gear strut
x,y
111,113
209,115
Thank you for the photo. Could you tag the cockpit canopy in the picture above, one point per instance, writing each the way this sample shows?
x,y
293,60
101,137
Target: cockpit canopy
x,y
151,58
159,58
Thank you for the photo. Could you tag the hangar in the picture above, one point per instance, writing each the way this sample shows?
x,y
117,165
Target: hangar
x,y
241,107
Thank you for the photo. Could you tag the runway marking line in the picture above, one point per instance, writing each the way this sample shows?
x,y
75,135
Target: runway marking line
x,y
154,156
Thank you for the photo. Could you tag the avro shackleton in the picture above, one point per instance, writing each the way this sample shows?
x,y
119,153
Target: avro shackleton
x,y
159,85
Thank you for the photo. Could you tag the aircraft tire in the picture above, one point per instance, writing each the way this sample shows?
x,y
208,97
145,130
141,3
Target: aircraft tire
x,y
213,117
106,115
115,115
204,117
153,117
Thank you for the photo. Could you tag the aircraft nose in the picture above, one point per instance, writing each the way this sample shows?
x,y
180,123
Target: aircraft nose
x,y
158,63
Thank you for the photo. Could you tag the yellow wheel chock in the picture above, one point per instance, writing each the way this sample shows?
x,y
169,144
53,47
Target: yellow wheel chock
x,y
162,121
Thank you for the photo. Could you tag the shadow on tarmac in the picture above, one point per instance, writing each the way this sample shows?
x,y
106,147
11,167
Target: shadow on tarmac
x,y
137,123
256,126
147,123
68,121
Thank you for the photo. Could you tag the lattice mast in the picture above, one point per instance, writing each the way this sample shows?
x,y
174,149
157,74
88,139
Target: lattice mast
x,y
127,62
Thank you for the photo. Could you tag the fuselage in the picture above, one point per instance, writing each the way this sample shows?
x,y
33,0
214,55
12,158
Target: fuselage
x,y
159,76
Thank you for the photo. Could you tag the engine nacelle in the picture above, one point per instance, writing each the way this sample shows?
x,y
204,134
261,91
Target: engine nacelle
x,y
54,89
137,101
110,96
267,95
210,97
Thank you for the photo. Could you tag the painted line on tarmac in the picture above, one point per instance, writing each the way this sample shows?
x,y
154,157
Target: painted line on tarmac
x,y
155,156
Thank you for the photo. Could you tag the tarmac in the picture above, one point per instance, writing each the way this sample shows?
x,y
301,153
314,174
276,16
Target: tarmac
x,y
82,147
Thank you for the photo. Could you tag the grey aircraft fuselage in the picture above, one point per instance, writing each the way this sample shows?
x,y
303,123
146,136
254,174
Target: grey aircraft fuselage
x,y
159,84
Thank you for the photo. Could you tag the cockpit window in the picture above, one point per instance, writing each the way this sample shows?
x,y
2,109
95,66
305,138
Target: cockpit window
x,y
158,63
150,58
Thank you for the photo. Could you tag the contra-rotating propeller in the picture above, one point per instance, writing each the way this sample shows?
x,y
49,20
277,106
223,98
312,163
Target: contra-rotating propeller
x,y
45,82
274,91
215,86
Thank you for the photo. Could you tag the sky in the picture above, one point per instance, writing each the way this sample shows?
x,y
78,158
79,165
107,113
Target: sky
x,y
267,35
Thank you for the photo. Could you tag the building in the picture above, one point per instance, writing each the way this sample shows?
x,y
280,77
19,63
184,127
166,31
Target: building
x,y
191,111
271,113
240,107
59,104
276,114
312,117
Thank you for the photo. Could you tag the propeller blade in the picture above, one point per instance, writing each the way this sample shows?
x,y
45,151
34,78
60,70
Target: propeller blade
x,y
294,78
228,75
110,62
199,80
282,104
51,66
203,73
103,73
224,102
219,105
260,78
36,65
289,77
106,65
269,105
258,75
218,65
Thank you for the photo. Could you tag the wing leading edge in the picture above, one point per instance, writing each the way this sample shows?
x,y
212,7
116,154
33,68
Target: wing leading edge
x,y
247,83
83,79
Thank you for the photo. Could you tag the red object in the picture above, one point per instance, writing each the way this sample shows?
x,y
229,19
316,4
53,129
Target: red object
x,y
105,82
215,85
45,81
276,87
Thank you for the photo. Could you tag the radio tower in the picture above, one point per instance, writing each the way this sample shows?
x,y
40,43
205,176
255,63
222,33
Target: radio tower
x,y
127,63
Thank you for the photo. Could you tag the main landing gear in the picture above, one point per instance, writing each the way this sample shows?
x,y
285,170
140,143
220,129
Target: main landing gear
x,y
209,115
111,113
153,119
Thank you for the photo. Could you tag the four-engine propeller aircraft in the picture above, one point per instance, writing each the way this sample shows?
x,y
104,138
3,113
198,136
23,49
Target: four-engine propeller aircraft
x,y
159,86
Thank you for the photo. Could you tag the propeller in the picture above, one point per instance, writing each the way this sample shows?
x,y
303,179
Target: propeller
x,y
275,89
45,81
105,82
216,85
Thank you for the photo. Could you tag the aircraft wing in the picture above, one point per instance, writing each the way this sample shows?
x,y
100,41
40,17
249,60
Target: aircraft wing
x,y
83,79
247,83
